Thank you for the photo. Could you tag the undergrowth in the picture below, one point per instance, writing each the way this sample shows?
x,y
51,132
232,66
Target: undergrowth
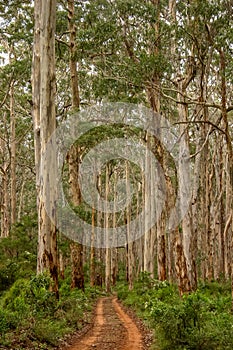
x,y
32,318
30,315
202,320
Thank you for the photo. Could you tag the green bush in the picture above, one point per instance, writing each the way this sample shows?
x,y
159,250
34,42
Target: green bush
x,y
3,322
30,312
8,321
183,324
200,321
16,298
8,273
50,331
18,252
30,296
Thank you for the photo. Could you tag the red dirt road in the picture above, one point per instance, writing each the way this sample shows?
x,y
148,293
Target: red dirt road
x,y
113,330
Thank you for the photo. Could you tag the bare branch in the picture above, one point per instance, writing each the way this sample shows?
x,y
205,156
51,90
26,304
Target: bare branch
x,y
62,42
202,122
200,150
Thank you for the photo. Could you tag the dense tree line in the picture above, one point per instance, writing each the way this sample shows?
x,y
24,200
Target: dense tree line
x,y
174,57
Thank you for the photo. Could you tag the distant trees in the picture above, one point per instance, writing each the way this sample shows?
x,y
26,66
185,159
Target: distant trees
x,y
15,121
176,60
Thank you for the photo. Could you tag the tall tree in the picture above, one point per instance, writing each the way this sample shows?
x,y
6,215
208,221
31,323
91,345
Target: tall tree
x,y
44,119
106,225
74,153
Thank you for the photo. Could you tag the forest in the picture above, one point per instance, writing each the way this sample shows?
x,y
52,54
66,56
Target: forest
x,y
116,174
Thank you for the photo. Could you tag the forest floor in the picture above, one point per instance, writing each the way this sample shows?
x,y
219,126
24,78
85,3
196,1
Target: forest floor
x,y
113,327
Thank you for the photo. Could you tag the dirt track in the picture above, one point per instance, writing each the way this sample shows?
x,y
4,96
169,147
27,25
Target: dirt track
x,y
113,330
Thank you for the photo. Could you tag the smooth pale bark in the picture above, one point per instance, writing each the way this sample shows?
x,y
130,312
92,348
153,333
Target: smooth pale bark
x,y
73,160
5,212
13,154
214,249
208,231
139,244
170,257
183,240
76,249
130,255
92,252
229,221
185,232
61,265
100,251
205,185
201,178
21,200
214,225
147,260
36,83
44,118
157,232
195,212
4,194
227,228
187,227
106,226
114,268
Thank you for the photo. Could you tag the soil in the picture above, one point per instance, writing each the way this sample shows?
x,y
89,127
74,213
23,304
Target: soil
x,y
113,329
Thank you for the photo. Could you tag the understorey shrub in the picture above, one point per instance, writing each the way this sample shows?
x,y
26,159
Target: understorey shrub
x,y
202,320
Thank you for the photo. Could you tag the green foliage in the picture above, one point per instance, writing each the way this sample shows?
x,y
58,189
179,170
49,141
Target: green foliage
x,y
115,42
202,320
30,296
18,252
7,321
30,312
47,331
8,273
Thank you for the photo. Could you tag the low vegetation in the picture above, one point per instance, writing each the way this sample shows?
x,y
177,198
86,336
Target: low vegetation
x,y
202,320
31,317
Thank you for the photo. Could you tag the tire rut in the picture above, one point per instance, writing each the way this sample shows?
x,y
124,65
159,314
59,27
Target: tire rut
x,y
113,329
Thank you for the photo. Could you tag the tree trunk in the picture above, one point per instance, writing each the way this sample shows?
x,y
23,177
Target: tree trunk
x,y
13,155
44,118
106,226
181,266
229,221
5,213
61,265
76,249
185,230
73,61
92,253
147,259
130,256
100,251
114,250
77,266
